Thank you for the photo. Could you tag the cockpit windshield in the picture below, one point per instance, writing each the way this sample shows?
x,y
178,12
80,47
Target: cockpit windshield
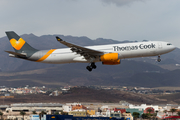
x,y
169,44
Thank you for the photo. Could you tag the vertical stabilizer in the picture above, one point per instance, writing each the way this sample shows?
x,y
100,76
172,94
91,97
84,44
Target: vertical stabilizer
x,y
19,45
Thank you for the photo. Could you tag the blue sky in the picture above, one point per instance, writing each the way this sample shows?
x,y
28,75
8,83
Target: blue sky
x,y
112,19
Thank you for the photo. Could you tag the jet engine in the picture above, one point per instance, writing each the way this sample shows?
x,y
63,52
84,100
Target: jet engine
x,y
110,59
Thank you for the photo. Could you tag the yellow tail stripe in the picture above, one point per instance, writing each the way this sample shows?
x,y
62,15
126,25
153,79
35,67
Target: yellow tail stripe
x,y
46,55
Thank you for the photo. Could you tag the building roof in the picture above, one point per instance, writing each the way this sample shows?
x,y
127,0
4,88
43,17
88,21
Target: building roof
x,y
172,117
4,106
36,105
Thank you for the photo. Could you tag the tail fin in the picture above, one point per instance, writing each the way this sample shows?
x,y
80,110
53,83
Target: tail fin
x,y
19,45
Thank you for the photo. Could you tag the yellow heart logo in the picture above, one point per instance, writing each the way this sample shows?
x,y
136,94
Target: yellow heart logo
x,y
17,44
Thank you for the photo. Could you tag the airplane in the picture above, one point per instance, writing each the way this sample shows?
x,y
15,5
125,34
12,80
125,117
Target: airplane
x,y
110,54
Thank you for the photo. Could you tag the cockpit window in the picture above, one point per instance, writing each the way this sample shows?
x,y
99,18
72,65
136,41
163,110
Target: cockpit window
x,y
169,44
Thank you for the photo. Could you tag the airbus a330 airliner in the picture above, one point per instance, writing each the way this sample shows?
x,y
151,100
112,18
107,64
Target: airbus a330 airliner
x,y
107,54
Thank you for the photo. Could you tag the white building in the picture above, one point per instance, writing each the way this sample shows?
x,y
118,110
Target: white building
x,y
144,106
29,107
68,106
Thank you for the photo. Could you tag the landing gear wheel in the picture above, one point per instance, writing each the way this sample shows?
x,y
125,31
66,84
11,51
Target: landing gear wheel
x,y
93,65
89,68
159,59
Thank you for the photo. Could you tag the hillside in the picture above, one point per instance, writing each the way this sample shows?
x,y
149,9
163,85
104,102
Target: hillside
x,y
146,72
87,95
171,97
128,73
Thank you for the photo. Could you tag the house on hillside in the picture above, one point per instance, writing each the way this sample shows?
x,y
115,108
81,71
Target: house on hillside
x,y
122,110
144,106
78,113
140,111
77,107
91,112
127,116
149,110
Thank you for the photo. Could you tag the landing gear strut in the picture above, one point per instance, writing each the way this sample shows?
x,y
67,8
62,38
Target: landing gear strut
x,y
91,66
159,58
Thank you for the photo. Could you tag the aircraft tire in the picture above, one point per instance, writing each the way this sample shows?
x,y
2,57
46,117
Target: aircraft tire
x,y
93,65
159,60
89,68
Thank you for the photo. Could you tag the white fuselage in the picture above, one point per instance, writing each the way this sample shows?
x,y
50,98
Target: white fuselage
x,y
125,50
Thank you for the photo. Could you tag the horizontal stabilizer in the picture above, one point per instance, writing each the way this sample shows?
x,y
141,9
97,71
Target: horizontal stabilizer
x,y
17,54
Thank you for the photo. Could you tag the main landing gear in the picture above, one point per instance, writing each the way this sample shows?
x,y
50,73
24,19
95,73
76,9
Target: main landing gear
x,y
159,58
91,66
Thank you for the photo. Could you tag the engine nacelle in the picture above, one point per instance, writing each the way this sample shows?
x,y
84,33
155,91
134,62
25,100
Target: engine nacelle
x,y
112,63
110,59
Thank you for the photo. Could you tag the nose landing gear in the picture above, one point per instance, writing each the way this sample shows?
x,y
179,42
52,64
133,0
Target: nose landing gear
x,y
91,66
159,58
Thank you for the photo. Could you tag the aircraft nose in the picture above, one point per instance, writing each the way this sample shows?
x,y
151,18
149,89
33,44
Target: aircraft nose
x,y
170,47
173,47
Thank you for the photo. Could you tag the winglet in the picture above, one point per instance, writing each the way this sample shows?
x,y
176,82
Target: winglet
x,y
58,39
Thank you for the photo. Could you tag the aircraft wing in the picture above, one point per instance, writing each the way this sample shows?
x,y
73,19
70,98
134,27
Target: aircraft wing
x,y
86,52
